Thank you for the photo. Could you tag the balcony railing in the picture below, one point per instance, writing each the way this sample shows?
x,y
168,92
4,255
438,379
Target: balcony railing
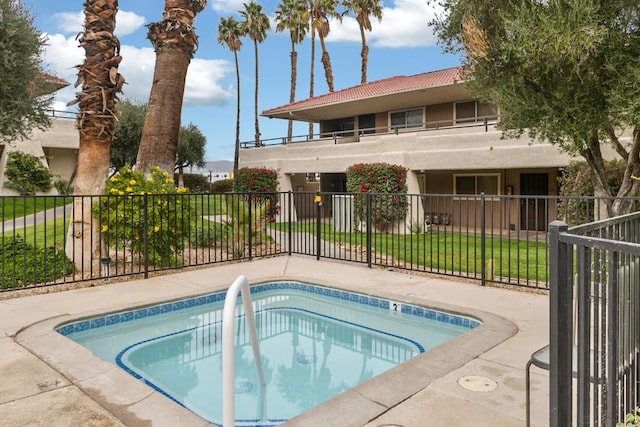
x,y
481,123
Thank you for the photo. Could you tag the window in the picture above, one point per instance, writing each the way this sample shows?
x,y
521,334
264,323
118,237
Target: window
x,y
474,111
407,119
476,184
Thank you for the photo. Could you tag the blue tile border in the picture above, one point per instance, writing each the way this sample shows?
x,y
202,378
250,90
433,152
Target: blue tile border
x,y
357,298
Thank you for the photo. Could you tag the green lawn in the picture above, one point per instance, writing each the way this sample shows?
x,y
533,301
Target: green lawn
x,y
16,207
448,252
45,235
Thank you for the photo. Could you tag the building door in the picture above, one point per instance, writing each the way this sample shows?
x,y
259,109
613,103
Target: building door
x,y
533,211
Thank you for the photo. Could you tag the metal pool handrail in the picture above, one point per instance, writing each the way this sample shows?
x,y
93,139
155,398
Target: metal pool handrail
x,y
241,284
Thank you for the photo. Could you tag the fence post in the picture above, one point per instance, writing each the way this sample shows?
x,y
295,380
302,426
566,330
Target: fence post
x,y
251,224
369,229
318,200
290,209
145,205
560,326
483,241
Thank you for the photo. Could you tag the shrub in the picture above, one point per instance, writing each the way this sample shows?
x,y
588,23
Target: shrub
x,y
390,184
262,184
26,174
222,186
25,264
245,218
209,234
196,183
122,215
64,187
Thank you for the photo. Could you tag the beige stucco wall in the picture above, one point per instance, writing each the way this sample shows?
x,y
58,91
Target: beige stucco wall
x,y
56,146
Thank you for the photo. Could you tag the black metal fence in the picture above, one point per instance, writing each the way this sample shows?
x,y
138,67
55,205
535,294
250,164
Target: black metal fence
x,y
493,239
595,321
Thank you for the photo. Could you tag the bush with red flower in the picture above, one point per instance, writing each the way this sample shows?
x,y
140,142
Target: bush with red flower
x,y
388,185
262,185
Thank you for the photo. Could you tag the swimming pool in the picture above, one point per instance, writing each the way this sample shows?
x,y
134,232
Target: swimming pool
x,y
315,341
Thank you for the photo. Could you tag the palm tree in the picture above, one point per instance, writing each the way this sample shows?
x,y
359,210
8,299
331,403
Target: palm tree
x,y
293,15
175,42
321,11
363,10
255,25
101,83
229,33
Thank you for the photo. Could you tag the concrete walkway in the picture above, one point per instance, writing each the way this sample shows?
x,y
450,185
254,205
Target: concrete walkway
x,y
49,380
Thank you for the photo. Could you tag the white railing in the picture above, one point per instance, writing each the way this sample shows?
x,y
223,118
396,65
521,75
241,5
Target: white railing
x,y
241,284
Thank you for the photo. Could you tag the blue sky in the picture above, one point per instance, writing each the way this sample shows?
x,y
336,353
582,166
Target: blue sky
x,y
401,44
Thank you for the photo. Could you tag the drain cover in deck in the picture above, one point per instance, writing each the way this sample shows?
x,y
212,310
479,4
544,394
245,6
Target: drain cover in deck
x,y
476,383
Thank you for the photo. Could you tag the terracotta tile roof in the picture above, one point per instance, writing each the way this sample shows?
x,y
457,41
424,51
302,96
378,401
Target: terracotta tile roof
x,y
54,79
397,84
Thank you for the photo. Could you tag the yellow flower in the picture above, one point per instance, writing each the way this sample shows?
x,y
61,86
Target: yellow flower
x,y
132,182
120,192
165,174
159,202
181,190
142,193
105,228
168,181
156,229
113,179
114,190
149,179
128,189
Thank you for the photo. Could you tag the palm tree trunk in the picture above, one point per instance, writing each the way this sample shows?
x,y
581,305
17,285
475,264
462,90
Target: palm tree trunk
x,y
236,154
255,97
364,54
326,62
311,77
175,42
292,93
96,122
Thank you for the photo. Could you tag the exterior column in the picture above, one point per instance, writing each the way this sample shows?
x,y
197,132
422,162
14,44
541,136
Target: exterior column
x,y
415,210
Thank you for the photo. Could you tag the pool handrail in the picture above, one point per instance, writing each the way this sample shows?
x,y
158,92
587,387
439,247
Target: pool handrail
x,y
241,284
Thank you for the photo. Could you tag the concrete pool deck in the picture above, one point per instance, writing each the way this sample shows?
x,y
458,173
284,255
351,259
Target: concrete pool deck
x,y
49,380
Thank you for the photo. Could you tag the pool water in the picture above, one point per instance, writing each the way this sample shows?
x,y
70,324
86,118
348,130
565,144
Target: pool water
x,y
315,343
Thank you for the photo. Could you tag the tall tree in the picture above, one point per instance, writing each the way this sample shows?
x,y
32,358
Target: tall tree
x,y
321,11
363,11
101,83
229,33
175,42
127,135
293,16
313,64
255,25
565,71
22,107
191,150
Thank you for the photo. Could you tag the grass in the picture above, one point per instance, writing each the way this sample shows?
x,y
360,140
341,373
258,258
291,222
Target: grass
x,y
447,252
19,206
44,235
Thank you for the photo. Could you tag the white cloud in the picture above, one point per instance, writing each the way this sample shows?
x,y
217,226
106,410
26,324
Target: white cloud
x,y
227,6
405,24
73,22
203,82
69,22
204,77
128,23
